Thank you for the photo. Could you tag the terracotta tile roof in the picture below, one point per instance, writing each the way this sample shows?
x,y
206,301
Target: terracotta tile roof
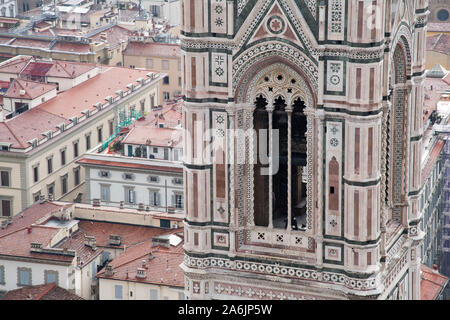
x,y
163,269
130,235
30,43
114,35
159,137
71,47
26,89
434,154
153,49
431,284
30,125
83,96
128,165
18,243
170,115
85,253
32,214
15,65
41,292
439,43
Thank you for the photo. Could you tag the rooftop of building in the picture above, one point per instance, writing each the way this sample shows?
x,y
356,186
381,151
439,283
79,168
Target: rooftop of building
x,y
26,89
41,292
170,116
154,136
71,103
130,235
439,43
432,283
28,66
161,265
153,49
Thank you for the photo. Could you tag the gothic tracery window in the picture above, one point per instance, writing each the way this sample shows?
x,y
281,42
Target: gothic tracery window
x,y
279,187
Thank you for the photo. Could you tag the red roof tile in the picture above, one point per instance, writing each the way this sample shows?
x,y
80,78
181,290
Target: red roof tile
x,y
41,292
439,43
32,214
154,136
25,89
431,284
432,158
29,43
163,269
130,235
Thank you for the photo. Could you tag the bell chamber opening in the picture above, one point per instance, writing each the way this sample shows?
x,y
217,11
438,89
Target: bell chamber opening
x,y
280,167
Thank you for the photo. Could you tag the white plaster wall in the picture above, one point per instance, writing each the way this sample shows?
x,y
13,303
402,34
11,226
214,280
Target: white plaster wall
x,y
37,274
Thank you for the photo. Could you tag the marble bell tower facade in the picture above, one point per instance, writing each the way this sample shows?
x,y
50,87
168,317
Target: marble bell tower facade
x,y
326,204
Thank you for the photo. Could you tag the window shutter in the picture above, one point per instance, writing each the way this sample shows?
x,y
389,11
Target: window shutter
x,y
158,199
133,196
173,200
152,198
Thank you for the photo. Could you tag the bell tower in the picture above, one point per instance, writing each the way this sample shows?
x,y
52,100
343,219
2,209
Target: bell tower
x,y
303,132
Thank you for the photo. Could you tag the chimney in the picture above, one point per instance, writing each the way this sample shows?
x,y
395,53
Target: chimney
x,y
96,202
143,263
140,273
151,256
170,209
109,270
90,242
28,229
141,207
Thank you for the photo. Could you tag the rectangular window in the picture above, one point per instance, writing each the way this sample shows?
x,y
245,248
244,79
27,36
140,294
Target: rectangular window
x,y
50,165
165,64
76,176
63,157
166,80
166,95
179,201
360,19
2,275
153,294
36,174
99,135
179,82
118,292
75,149
4,177
64,184
154,198
88,142
105,193
149,63
51,189
51,276
24,277
163,223
6,208
111,127
152,101
36,196
358,83
357,145
130,195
